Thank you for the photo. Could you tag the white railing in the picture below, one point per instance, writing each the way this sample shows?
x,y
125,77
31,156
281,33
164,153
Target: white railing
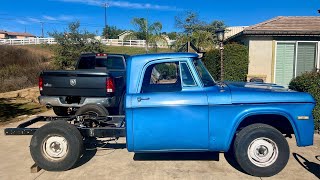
x,y
108,42
27,41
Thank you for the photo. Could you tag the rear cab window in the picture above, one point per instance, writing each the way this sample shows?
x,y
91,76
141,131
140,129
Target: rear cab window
x,y
111,62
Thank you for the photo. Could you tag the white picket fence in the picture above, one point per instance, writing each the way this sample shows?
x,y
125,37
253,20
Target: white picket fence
x,y
108,42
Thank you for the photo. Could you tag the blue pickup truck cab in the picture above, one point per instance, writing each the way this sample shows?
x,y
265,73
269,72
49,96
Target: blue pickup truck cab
x,y
172,104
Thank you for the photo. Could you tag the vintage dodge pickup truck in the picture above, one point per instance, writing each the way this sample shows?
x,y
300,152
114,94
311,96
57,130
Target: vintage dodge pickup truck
x,y
173,104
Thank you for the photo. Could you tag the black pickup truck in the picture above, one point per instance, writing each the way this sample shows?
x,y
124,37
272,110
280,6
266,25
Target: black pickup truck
x,y
98,79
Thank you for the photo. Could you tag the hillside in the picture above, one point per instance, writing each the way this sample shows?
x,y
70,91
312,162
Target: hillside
x,y
20,66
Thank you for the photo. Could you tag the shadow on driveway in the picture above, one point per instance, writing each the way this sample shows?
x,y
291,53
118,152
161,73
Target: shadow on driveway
x,y
177,156
92,145
312,167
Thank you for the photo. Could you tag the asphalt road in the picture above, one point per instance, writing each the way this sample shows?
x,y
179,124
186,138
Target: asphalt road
x,y
113,161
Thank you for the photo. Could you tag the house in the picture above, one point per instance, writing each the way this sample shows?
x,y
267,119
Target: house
x,y
231,31
14,35
282,48
123,35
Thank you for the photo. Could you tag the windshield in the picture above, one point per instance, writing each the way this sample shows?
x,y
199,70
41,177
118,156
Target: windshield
x,y
205,76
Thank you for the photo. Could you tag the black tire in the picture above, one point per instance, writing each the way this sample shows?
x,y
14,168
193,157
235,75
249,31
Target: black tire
x,y
121,104
93,108
59,129
253,135
60,111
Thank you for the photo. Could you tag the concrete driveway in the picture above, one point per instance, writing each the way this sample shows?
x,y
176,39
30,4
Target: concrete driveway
x,y
113,161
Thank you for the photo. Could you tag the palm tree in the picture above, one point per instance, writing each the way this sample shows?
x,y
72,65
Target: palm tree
x,y
149,32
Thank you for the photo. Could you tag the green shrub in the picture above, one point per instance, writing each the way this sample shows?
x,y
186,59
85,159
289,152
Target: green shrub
x,y
72,43
236,62
309,82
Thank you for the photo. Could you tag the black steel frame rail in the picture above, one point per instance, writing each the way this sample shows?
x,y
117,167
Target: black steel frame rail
x,y
23,129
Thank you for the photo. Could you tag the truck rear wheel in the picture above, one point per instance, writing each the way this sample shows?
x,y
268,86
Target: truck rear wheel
x,y
261,150
56,146
95,109
122,107
60,111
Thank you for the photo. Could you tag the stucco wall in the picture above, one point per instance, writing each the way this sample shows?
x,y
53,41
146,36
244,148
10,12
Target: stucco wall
x,y
2,36
260,58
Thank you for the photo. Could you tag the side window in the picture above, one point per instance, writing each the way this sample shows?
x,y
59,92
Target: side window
x,y
186,76
162,77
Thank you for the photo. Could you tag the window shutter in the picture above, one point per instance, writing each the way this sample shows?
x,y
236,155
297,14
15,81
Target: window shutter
x,y
306,57
284,63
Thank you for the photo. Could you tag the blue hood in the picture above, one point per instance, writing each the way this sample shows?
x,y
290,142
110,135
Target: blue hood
x,y
248,92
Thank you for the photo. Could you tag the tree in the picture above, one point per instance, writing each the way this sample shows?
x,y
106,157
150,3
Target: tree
x,y
172,35
72,43
149,32
189,22
198,32
111,32
213,26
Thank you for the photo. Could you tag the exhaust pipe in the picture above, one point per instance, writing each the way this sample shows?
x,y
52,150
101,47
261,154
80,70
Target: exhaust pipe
x,y
48,106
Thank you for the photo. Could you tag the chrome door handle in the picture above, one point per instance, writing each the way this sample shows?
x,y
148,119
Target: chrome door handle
x,y
140,99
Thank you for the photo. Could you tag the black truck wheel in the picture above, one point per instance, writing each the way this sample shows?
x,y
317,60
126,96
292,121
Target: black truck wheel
x,y
56,146
95,109
60,111
122,107
261,150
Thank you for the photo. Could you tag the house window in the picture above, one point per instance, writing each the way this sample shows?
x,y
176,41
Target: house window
x,y
293,59
306,57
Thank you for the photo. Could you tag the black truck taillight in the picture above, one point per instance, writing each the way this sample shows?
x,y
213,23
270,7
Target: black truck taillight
x,y
40,83
110,87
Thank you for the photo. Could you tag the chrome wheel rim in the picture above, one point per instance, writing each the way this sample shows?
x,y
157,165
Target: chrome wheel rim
x,y
263,152
55,147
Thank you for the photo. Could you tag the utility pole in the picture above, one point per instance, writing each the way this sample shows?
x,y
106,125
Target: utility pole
x,y
42,35
147,40
25,28
105,5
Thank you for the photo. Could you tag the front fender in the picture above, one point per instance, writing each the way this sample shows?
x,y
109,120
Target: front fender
x,y
252,112
223,125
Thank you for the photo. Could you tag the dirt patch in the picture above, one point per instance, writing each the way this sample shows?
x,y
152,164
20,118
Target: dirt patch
x,y
30,94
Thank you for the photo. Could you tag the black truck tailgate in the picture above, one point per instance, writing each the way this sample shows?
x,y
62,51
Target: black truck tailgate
x,y
84,83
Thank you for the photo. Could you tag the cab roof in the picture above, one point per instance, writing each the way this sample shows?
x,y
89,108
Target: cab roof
x,y
136,63
148,57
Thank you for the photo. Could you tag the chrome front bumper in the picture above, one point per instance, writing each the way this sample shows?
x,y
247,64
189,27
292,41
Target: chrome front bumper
x,y
59,101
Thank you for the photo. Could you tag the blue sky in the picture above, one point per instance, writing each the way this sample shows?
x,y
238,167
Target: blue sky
x,y
55,14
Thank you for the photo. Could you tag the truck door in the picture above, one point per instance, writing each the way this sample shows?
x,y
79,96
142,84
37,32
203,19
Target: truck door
x,y
171,110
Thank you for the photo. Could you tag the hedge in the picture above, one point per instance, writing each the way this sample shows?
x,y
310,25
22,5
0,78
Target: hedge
x,y
236,60
309,82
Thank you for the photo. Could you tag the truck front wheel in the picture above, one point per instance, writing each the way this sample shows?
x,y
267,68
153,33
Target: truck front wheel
x,y
261,150
56,146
